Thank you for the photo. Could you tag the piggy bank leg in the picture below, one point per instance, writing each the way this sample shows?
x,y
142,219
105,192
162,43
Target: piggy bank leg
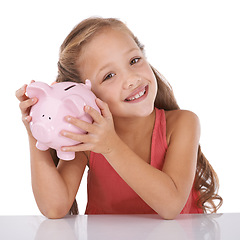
x,y
41,146
65,155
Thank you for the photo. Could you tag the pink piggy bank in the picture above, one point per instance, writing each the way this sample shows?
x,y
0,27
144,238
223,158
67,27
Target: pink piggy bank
x,y
54,103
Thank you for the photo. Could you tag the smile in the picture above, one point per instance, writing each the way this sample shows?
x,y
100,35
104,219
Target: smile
x,y
137,96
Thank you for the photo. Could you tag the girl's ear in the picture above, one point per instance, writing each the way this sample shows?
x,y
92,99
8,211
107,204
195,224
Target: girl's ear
x,y
38,89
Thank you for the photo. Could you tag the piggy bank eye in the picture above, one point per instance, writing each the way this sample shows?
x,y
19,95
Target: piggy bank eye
x,y
43,115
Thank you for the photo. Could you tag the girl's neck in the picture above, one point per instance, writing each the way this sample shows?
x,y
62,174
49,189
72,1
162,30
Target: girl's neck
x,y
134,128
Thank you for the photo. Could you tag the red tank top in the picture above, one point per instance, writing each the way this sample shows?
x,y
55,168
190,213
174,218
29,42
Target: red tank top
x,y
109,194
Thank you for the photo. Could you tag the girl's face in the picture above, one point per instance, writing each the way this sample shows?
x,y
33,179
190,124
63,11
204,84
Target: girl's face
x,y
119,73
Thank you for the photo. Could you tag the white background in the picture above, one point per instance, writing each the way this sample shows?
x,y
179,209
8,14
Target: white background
x,y
194,44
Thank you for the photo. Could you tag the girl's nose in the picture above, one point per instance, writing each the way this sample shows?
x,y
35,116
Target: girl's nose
x,y
131,81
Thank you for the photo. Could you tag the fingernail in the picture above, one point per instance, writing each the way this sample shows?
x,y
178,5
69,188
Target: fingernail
x,y
63,133
34,100
87,108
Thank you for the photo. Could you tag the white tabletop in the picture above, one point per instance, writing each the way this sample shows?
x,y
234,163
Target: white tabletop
x,y
115,227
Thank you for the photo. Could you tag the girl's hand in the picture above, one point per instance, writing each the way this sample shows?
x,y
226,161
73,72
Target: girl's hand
x,y
100,136
25,105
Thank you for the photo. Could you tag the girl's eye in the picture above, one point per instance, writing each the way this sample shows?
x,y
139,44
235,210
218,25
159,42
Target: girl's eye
x,y
135,60
108,76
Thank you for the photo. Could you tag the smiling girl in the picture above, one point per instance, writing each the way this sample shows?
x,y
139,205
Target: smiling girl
x,y
142,151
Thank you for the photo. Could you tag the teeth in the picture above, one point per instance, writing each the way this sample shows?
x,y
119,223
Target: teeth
x,y
138,95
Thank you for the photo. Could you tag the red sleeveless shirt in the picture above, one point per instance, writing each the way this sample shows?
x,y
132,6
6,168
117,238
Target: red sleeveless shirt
x,y
109,194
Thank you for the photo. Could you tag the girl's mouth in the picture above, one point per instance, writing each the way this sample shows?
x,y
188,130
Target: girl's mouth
x,y
138,96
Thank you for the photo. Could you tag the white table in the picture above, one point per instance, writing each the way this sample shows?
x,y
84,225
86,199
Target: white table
x,y
115,227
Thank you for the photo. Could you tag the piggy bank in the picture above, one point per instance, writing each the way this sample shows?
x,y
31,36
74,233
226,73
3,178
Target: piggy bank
x,y
54,103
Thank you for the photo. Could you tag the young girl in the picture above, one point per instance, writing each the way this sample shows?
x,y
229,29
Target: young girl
x,y
142,151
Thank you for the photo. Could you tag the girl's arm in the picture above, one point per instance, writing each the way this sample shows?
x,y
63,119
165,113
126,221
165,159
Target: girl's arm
x,y
54,188
165,191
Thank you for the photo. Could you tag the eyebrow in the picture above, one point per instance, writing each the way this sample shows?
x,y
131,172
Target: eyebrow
x,y
127,52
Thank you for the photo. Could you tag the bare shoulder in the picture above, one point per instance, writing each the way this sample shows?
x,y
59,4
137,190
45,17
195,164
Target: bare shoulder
x,y
180,115
181,121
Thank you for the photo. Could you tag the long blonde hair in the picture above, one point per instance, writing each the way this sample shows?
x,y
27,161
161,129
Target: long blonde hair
x,y
206,180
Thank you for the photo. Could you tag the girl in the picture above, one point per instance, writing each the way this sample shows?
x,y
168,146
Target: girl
x,y
142,151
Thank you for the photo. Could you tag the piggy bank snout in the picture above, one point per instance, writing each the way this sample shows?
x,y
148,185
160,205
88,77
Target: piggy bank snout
x,y
41,132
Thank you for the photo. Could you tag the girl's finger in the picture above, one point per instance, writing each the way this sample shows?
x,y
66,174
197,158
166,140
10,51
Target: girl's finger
x,y
27,104
96,116
27,119
75,136
77,148
85,126
106,113
20,93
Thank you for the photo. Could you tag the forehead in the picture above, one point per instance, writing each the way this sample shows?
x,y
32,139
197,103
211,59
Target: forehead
x,y
108,36
106,44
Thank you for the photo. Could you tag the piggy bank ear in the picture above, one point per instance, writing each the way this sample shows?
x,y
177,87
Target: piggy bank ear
x,y
88,84
75,104
38,89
